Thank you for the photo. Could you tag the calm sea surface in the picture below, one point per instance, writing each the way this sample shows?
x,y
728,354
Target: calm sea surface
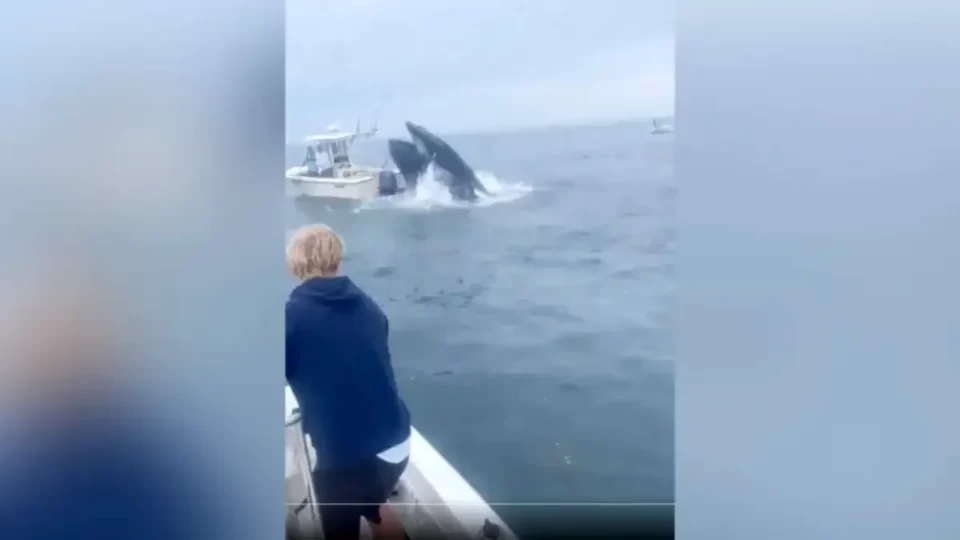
x,y
531,334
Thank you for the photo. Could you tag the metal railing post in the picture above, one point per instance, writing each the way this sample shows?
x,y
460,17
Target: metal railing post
x,y
304,463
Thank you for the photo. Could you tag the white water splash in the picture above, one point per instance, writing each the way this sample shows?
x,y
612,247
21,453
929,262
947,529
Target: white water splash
x,y
432,193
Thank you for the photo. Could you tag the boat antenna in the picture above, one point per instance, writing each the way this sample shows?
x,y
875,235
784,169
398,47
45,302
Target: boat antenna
x,y
377,112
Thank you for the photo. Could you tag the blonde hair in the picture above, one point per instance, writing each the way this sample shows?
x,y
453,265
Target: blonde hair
x,y
314,251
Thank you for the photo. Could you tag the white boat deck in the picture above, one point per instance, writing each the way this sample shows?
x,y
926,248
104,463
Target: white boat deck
x,y
432,497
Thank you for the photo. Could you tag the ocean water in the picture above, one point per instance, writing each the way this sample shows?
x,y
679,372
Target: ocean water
x,y
531,333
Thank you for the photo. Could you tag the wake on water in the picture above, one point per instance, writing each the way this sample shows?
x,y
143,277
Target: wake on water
x,y
431,194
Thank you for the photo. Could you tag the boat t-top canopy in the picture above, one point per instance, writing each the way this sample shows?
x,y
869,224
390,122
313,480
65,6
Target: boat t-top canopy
x,y
335,135
330,138
335,144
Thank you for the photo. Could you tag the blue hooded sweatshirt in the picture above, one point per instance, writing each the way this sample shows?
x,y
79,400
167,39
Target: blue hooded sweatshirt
x,y
338,367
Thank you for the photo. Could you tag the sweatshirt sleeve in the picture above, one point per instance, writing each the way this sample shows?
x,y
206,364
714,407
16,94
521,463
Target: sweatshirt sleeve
x,y
290,346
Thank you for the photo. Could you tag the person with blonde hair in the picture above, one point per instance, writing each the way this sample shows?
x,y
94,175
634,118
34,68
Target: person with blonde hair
x,y
338,367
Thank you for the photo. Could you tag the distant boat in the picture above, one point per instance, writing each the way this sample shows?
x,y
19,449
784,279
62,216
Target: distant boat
x,y
659,129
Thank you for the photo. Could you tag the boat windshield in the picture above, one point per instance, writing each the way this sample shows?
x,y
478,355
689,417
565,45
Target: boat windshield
x,y
310,162
339,150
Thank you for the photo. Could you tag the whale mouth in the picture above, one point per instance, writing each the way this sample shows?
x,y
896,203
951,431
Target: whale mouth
x,y
412,159
422,148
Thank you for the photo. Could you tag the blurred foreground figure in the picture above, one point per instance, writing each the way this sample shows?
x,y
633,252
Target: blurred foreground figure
x,y
338,366
83,454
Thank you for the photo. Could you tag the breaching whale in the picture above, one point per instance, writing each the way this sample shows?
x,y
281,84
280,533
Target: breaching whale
x,y
413,158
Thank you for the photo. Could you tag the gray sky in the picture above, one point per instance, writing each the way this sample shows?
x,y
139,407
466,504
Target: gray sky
x,y
463,65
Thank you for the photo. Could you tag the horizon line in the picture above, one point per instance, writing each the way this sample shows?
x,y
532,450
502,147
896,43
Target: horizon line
x,y
525,128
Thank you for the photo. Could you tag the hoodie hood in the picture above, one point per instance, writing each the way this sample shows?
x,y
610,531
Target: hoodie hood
x,y
338,291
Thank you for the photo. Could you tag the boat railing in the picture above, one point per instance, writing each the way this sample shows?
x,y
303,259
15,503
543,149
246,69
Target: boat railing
x,y
297,441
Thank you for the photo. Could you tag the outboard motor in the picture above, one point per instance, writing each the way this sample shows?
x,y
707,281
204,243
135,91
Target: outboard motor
x,y
389,184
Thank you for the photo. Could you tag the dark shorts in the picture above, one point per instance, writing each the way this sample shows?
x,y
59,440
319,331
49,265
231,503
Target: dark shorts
x,y
349,493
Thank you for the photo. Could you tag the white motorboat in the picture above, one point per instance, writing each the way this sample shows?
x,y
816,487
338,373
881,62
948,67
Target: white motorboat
x,y
339,177
432,499
660,128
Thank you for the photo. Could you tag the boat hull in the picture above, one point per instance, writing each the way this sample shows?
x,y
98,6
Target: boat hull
x,y
359,188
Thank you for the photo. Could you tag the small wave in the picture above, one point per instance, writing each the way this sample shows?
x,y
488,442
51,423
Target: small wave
x,y
431,194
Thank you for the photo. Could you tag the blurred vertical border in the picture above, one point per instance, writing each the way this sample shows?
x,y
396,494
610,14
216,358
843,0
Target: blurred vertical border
x,y
141,148
817,255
